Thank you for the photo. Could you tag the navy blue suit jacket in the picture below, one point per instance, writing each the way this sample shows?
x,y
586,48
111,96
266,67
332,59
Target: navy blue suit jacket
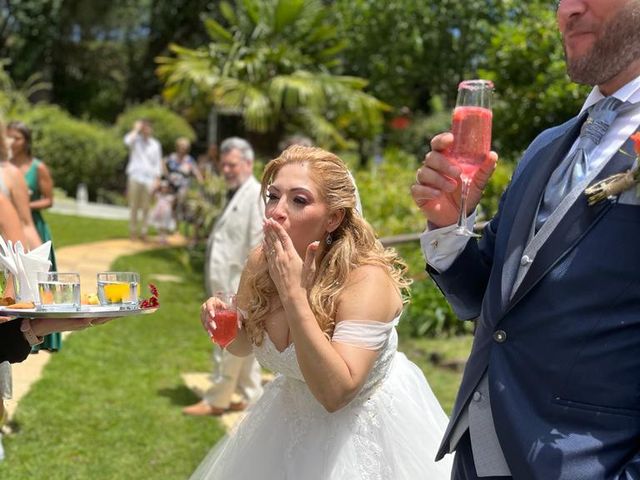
x,y
565,384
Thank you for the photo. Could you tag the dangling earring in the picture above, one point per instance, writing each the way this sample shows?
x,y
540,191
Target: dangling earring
x,y
329,239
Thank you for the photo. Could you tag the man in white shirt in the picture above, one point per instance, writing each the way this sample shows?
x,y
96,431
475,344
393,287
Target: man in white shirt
x,y
143,173
551,390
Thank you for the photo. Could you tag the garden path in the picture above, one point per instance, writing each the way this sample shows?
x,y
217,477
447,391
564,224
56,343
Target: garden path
x,y
87,259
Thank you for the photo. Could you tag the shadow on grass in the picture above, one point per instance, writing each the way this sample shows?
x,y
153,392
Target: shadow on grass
x,y
180,396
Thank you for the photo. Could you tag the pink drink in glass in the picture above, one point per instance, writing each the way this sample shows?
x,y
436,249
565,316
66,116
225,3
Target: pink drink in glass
x,y
471,128
226,327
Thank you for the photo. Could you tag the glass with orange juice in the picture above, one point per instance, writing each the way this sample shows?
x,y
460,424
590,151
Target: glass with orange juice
x,y
118,288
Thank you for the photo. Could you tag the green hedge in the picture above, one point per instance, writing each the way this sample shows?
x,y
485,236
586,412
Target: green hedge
x,y
167,125
76,151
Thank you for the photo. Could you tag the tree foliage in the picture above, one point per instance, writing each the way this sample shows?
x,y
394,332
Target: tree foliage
x,y
273,61
411,50
526,62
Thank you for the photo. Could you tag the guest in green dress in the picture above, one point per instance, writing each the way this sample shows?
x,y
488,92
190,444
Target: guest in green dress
x,y
40,186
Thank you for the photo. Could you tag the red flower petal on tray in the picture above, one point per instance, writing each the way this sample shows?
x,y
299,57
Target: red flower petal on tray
x,y
152,301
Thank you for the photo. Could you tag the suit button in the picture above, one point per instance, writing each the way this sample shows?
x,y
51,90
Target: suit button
x,y
477,396
500,336
526,260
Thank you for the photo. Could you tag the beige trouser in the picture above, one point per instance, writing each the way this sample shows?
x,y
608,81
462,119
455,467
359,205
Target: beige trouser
x,y
240,375
139,197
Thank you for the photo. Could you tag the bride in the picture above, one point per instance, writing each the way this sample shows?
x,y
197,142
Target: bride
x,y
345,404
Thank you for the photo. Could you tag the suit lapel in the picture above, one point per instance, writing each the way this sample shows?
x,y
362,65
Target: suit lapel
x,y
577,222
527,191
231,205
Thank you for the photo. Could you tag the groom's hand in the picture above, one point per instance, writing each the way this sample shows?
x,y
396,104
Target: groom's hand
x,y
437,188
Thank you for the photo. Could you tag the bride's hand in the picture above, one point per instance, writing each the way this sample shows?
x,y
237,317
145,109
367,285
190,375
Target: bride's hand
x,y
208,314
287,270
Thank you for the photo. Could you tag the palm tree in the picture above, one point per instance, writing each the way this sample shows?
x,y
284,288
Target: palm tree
x,y
274,64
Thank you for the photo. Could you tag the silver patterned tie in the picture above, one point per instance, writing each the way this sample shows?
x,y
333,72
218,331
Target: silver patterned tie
x,y
576,166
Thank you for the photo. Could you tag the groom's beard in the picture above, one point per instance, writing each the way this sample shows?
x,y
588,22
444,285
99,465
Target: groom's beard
x,y
617,47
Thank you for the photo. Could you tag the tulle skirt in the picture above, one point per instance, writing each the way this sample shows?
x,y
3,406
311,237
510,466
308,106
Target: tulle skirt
x,y
392,433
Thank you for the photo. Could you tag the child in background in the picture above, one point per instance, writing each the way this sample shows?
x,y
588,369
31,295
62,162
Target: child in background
x,y
161,216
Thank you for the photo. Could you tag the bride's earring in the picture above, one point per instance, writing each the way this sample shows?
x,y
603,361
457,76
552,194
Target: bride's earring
x,y
329,239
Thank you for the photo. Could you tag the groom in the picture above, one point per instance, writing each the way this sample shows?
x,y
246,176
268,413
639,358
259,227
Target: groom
x,y
552,386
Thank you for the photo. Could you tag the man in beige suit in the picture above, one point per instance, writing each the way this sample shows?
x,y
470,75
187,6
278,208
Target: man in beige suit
x,y
236,232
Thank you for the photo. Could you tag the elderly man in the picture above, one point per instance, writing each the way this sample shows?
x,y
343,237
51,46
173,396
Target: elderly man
x,y
143,173
550,390
236,232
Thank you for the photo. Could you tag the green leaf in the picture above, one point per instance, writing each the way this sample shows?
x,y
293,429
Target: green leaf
x,y
228,13
217,31
286,13
252,8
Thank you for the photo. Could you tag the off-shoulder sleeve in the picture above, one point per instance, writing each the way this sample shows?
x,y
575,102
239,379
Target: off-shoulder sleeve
x,y
366,334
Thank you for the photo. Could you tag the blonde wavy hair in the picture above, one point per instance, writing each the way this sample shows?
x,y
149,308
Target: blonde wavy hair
x,y
353,244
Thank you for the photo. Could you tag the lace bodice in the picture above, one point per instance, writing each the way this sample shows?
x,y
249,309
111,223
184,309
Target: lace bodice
x,y
285,363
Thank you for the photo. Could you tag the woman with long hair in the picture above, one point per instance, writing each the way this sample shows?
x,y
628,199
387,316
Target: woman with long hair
x,y
14,187
40,186
319,301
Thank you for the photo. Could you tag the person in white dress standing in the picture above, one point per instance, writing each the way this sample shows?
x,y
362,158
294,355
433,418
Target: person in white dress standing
x,y
319,300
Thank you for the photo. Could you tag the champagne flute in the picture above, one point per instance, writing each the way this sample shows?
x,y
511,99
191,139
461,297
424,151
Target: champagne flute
x,y
471,128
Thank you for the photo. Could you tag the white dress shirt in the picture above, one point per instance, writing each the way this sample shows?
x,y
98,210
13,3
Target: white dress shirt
x,y
145,158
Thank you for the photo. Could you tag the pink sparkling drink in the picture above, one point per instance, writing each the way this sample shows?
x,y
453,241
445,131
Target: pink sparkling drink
x,y
471,128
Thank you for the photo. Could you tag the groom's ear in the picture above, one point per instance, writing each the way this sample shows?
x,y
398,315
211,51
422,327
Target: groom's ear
x,y
335,219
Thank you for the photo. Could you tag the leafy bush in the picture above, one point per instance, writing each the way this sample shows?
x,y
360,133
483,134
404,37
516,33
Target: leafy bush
x,y
384,191
76,151
167,125
422,128
388,206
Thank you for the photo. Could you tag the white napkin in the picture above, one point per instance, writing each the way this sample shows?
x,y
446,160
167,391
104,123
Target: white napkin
x,y
25,266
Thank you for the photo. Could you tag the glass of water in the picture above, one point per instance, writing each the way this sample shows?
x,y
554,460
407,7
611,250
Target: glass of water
x,y
58,291
118,288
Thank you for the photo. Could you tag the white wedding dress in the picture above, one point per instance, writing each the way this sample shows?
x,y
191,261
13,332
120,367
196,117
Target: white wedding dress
x,y
390,431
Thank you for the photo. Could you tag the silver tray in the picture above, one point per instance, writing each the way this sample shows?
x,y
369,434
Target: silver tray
x,y
85,311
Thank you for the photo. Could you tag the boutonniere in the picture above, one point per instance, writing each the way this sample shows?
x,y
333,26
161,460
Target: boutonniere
x,y
620,182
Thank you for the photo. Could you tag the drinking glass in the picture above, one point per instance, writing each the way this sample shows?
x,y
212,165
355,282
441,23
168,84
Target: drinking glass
x,y
225,320
118,288
471,128
58,291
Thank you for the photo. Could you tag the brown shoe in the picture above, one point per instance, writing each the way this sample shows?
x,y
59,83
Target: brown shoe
x,y
202,409
237,406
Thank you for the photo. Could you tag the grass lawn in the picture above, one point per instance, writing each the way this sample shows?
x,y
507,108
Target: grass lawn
x,y
72,230
108,405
